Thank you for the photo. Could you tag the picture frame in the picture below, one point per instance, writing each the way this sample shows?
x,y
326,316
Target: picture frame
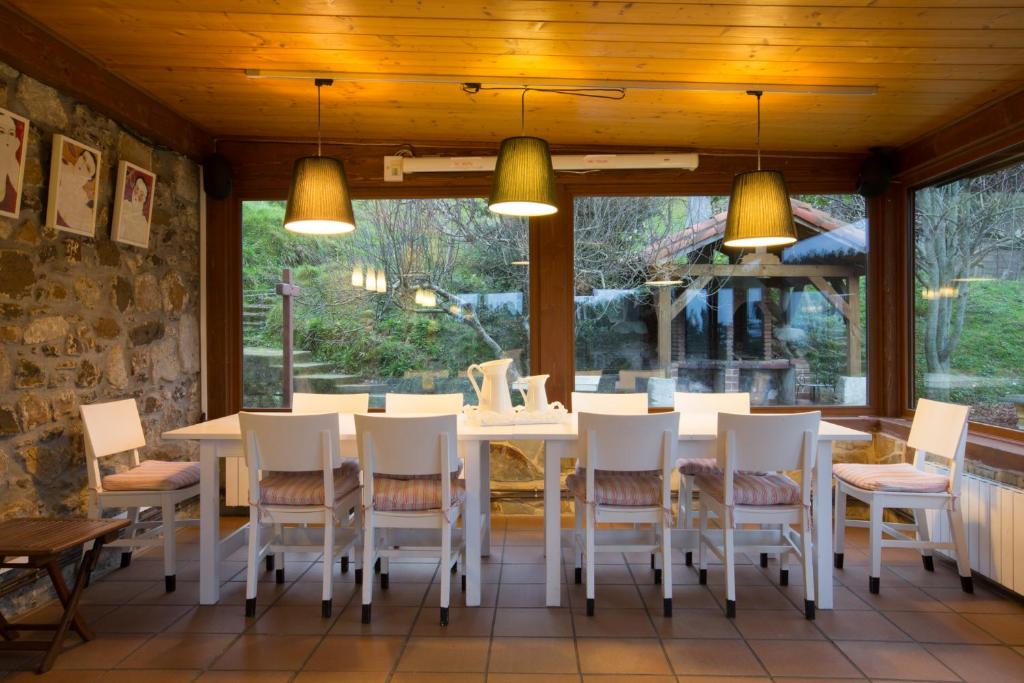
x,y
134,196
14,131
74,186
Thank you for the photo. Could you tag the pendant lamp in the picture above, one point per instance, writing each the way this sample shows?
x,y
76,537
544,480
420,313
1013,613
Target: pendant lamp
x,y
357,276
759,211
524,180
319,202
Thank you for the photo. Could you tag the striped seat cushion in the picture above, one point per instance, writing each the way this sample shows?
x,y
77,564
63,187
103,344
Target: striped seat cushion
x,y
410,495
695,467
307,488
752,489
902,478
627,489
154,475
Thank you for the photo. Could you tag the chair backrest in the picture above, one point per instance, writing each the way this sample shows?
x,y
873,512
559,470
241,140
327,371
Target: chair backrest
x,y
110,428
737,403
281,442
412,404
609,404
768,442
407,445
629,443
940,429
318,404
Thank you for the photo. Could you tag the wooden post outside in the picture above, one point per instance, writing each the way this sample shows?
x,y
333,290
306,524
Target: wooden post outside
x,y
665,318
853,331
287,290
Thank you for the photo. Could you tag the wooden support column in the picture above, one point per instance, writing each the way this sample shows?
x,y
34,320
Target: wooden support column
x,y
665,318
853,331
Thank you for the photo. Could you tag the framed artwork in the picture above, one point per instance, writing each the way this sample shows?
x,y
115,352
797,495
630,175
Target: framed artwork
x,y
74,187
13,144
133,204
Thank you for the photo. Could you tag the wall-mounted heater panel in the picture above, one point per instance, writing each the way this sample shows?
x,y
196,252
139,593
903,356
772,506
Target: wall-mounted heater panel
x,y
396,167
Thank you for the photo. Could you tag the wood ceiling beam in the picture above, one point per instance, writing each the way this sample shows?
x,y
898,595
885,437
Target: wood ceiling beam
x,y
34,51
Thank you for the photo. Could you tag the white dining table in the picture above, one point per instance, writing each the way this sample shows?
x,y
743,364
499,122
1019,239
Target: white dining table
x,y
221,438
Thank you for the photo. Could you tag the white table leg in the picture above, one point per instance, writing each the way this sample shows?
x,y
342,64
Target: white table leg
x,y
485,497
209,523
471,523
554,451
823,526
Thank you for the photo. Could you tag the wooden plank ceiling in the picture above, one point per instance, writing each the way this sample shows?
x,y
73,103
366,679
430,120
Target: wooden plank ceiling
x,y
931,60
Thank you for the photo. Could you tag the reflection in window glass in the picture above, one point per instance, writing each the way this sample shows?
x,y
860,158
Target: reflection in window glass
x,y
662,306
422,289
969,295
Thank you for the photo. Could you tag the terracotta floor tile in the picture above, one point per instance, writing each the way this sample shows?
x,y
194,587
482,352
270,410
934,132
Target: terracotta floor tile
x,y
981,601
895,660
524,537
533,655
729,679
52,676
294,620
712,658
754,598
857,625
944,576
613,623
463,622
779,624
627,678
539,622
693,623
387,621
1008,628
140,618
522,573
214,619
621,656
267,653
400,594
523,554
413,573
141,569
113,592
185,593
488,595
233,593
411,677
982,663
525,595
341,677
746,575
351,653
150,676
105,652
441,655
611,597
306,593
683,597
932,627
493,677
245,677
802,658
178,651
904,598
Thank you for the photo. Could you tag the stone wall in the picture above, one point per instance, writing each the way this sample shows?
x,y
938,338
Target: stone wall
x,y
84,320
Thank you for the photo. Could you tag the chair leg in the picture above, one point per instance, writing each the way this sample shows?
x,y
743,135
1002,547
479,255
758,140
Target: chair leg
x,y
702,562
839,533
656,563
666,562
921,520
328,571
251,565
591,523
368,553
730,569
686,515
807,556
170,544
446,576
784,562
963,559
875,531
133,518
577,557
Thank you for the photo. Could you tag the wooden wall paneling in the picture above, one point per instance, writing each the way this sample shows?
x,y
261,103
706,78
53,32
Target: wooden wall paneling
x,y
36,52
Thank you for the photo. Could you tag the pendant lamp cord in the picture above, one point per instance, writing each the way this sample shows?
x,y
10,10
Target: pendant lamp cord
x,y
522,112
757,94
319,82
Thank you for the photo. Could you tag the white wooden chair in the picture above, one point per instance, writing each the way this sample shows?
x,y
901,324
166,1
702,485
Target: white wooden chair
x,y
318,404
297,476
687,403
941,430
408,466
625,475
761,443
609,404
412,404
115,427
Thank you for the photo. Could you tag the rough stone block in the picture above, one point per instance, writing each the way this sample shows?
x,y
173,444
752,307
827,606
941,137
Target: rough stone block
x,y
45,329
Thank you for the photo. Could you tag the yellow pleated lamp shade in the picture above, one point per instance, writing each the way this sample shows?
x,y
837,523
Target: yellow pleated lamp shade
x,y
319,202
524,181
759,211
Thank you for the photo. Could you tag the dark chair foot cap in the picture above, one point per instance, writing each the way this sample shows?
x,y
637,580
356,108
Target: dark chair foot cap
x,y
270,563
463,583
667,608
689,559
344,565
874,584
929,562
455,568
170,583
764,560
376,566
730,609
250,607
579,575
359,577
967,584
385,581
809,609
783,577
279,576
657,577
703,580
590,607
652,561
837,560
325,609
444,616
126,560
366,614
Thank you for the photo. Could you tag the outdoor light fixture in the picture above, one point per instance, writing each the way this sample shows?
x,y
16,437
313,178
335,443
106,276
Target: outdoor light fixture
x,y
520,263
759,211
382,282
318,199
524,180
663,283
357,276
370,282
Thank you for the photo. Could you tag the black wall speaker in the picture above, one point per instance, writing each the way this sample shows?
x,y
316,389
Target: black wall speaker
x,y
217,176
876,172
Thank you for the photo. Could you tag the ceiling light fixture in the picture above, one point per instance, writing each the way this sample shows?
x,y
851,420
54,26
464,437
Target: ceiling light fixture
x,y
319,202
524,180
759,211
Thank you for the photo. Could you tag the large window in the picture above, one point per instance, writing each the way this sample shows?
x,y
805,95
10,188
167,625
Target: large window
x,y
662,306
422,289
969,295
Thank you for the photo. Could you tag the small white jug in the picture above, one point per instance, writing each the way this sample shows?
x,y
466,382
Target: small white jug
x,y
536,396
493,395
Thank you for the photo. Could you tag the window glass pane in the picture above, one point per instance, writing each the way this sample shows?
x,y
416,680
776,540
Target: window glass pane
x,y
662,306
450,289
969,295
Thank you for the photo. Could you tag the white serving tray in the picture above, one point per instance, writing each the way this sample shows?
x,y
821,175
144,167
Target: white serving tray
x,y
555,414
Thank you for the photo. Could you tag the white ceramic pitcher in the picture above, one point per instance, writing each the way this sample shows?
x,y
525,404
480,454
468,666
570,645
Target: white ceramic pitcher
x,y
493,393
535,396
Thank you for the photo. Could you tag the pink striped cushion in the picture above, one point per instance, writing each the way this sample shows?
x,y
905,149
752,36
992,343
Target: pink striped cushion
x,y
307,488
154,475
697,466
618,488
395,495
904,478
752,489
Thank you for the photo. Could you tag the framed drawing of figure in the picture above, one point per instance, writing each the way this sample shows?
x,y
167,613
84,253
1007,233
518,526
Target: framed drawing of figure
x,y
74,187
13,143
133,204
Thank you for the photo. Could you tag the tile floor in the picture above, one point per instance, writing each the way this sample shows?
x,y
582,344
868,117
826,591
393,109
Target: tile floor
x,y
920,628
